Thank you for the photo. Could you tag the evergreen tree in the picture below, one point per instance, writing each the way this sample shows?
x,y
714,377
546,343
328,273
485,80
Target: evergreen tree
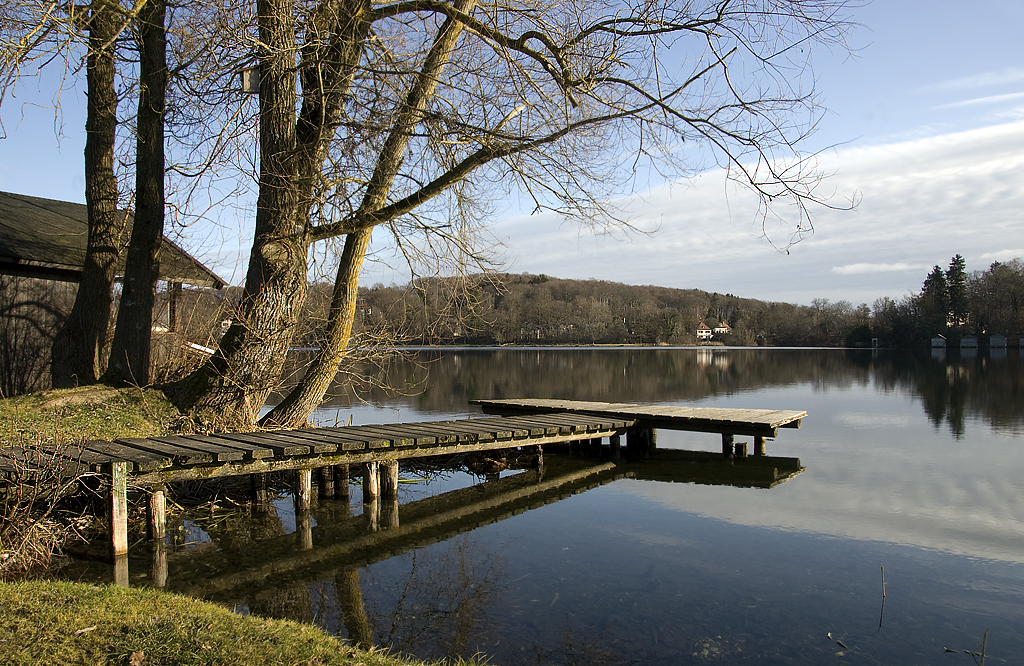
x,y
956,288
935,301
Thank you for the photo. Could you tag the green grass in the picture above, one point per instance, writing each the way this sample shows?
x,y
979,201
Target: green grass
x,y
90,412
43,622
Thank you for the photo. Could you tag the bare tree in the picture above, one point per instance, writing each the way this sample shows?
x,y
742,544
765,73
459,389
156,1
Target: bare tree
x,y
75,355
408,117
130,350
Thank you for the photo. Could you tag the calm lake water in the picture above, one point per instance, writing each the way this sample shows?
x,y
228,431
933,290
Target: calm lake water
x,y
913,480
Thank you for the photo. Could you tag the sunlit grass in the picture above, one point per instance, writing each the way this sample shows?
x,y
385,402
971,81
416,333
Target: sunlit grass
x,y
71,623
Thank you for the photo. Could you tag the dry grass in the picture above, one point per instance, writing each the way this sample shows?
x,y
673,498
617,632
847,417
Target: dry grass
x,y
33,483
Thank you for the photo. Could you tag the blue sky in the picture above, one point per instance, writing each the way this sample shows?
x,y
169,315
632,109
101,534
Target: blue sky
x,y
927,124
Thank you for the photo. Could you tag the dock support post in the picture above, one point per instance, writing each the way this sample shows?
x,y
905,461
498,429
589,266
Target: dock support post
x,y
539,461
371,481
158,564
303,489
652,441
259,489
304,529
640,442
325,481
371,513
740,449
341,481
117,509
759,447
389,513
389,479
615,444
727,441
157,514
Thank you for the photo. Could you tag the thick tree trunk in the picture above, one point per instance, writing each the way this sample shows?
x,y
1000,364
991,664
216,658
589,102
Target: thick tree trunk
x,y
295,409
130,350
231,388
75,354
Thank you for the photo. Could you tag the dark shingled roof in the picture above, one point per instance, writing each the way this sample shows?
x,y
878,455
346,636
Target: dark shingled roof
x,y
47,239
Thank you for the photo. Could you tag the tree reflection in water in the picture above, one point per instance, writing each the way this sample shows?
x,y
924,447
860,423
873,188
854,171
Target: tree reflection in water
x,y
438,602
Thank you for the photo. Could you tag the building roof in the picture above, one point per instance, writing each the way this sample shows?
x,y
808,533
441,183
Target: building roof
x,y
47,239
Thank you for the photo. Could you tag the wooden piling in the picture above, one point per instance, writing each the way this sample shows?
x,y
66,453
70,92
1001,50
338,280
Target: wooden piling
x,y
304,530
157,514
371,513
121,570
303,489
158,564
371,481
258,483
325,482
727,442
740,449
615,445
389,479
340,480
389,513
117,509
759,448
538,462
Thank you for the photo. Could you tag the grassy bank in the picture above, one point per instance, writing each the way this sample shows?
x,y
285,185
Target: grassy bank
x,y
50,622
45,622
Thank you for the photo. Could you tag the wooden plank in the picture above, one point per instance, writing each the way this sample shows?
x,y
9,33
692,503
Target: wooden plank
x,y
357,438
323,437
139,459
178,454
220,452
33,459
420,432
317,444
710,419
250,451
276,445
395,436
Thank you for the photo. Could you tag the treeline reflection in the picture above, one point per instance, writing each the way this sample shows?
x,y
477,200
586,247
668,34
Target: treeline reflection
x,y
951,386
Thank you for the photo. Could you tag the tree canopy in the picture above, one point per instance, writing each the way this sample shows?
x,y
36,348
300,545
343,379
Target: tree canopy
x,y
414,116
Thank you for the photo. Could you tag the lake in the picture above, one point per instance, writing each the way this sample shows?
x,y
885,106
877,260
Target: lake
x,y
913,483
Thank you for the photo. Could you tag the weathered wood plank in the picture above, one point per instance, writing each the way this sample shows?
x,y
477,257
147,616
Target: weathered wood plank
x,y
762,422
178,454
219,452
138,460
250,451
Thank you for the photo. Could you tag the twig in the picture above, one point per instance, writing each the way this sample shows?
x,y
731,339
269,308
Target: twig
x,y
881,614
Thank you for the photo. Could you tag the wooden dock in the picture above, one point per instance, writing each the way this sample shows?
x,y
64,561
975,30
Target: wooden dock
x,y
151,463
727,421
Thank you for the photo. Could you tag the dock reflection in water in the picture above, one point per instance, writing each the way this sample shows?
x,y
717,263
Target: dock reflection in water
x,y
253,562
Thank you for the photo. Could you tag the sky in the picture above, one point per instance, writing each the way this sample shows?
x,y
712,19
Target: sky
x,y
924,130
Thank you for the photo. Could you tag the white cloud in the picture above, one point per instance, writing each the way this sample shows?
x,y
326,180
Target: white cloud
x,y
1003,255
990,99
1005,76
856,269
922,201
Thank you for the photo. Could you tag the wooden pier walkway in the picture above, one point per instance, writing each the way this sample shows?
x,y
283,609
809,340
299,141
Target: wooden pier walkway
x,y
754,422
152,463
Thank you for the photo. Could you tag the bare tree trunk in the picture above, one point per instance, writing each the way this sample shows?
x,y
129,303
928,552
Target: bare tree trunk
x,y
75,355
296,408
130,350
233,386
